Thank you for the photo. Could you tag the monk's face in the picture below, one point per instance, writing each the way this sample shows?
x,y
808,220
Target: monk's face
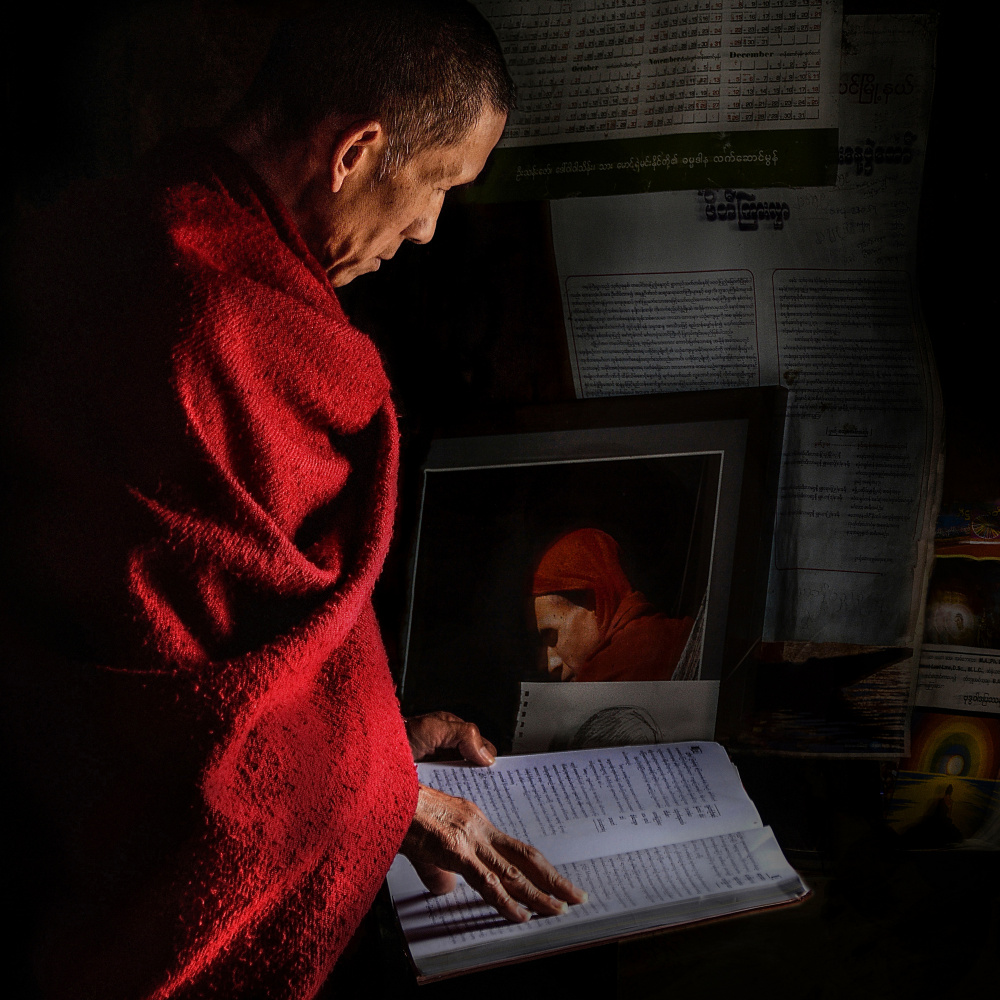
x,y
374,215
569,632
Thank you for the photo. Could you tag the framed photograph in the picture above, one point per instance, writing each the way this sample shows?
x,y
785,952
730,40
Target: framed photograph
x,y
589,551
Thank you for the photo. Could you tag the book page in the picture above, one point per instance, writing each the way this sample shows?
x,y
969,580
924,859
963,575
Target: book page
x,y
738,868
588,803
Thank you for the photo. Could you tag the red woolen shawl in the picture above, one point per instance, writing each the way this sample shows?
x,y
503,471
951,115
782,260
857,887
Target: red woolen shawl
x,y
197,688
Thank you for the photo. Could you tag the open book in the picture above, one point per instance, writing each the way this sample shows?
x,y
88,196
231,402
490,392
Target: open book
x,y
657,835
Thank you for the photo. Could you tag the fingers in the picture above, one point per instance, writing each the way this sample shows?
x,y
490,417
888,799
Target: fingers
x,y
517,890
436,879
437,731
501,886
508,890
546,886
453,835
472,746
443,716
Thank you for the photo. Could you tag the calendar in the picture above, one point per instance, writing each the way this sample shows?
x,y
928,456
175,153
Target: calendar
x,y
603,69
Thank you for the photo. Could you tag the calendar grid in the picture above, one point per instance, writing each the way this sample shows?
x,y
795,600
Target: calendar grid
x,y
610,68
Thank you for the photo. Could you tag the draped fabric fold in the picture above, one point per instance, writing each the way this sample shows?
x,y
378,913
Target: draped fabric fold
x,y
202,457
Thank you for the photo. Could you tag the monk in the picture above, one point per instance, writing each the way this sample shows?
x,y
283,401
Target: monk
x,y
209,769
594,625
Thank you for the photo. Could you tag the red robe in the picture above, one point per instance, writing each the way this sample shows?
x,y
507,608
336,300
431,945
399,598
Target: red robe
x,y
196,694
636,643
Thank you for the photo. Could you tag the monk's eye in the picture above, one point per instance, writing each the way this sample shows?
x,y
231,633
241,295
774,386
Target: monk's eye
x,y
548,636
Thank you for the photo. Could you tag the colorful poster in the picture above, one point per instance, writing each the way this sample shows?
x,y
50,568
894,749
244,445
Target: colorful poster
x,y
946,792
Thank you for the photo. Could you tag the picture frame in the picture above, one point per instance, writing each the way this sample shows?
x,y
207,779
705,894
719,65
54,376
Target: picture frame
x,y
685,485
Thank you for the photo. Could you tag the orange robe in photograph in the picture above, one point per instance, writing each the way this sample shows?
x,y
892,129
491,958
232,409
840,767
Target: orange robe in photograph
x,y
637,643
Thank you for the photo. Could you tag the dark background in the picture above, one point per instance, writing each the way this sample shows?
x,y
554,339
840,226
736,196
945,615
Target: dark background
x,y
474,318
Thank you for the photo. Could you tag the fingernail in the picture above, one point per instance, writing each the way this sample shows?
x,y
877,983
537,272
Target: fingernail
x,y
523,914
489,758
560,904
584,896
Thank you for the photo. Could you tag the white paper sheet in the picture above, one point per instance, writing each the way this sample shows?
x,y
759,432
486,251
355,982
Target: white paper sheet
x,y
552,716
960,679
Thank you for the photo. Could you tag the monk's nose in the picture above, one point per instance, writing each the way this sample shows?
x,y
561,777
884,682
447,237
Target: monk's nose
x,y
422,230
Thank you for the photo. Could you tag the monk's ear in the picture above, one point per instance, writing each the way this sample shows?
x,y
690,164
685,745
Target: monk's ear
x,y
353,147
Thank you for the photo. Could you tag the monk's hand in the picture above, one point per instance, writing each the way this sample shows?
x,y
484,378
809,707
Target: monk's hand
x,y
449,835
443,735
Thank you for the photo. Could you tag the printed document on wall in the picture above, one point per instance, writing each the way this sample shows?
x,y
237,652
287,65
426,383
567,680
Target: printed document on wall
x,y
809,288
633,95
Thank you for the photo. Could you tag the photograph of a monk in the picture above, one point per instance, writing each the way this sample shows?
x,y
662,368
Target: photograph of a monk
x,y
561,571
207,774
594,625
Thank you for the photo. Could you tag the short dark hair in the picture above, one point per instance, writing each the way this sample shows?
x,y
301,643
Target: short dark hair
x,y
425,69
